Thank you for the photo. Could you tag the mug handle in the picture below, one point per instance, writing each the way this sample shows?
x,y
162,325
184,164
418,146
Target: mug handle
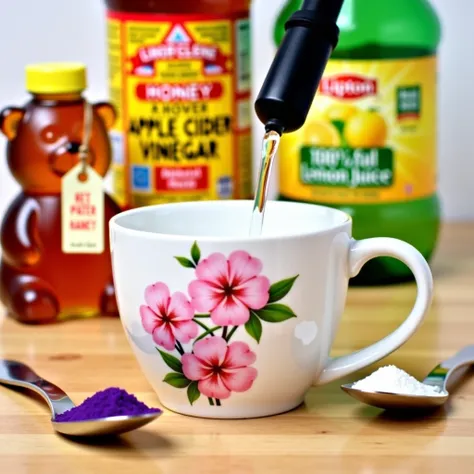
x,y
360,252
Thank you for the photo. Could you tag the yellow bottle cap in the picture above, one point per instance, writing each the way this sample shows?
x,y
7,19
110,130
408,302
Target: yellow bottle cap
x,y
55,78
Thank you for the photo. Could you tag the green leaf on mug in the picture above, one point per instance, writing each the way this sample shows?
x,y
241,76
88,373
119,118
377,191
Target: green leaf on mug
x,y
195,253
254,327
275,313
281,288
176,380
193,392
171,361
185,262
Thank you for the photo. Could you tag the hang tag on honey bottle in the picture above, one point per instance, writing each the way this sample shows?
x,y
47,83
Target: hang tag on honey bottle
x,y
82,211
82,202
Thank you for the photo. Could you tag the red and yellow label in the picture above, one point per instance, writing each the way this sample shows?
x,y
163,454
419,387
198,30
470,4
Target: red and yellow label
x,y
181,85
370,136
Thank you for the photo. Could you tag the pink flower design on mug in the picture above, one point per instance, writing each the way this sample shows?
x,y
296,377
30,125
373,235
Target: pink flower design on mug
x,y
229,288
168,318
225,291
220,368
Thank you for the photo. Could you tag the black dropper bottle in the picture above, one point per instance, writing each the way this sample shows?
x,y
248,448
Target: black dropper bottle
x,y
293,78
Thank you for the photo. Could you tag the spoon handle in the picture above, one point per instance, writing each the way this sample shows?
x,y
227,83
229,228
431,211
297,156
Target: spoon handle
x,y
18,374
463,357
440,375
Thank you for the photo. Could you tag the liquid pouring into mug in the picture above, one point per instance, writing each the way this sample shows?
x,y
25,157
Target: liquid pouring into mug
x,y
435,386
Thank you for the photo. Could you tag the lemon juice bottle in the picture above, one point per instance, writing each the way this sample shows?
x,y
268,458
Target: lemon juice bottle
x,y
368,146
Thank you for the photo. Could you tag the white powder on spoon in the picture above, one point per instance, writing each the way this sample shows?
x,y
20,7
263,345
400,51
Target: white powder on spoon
x,y
394,380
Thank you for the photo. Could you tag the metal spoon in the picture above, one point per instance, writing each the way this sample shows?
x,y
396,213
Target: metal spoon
x,y
18,374
438,377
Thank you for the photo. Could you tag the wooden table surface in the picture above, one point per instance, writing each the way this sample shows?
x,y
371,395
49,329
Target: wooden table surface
x,y
331,432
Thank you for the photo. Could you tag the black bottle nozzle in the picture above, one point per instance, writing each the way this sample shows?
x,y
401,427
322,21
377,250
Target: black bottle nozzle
x,y
293,78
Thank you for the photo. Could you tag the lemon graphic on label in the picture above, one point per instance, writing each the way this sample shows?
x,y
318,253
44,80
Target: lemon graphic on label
x,y
316,115
340,112
366,129
318,133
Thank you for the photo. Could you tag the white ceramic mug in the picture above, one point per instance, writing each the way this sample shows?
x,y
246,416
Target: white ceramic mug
x,y
228,326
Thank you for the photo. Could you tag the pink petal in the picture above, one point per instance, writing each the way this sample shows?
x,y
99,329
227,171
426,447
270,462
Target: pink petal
x,y
211,350
204,296
180,308
239,380
157,297
184,331
213,387
213,269
239,355
149,319
164,337
230,312
254,292
243,267
193,368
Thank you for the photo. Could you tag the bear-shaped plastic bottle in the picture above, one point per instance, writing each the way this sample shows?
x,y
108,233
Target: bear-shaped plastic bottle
x,y
39,282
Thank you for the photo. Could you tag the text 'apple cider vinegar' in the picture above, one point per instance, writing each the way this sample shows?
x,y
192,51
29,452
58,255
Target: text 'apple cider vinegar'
x,y
179,76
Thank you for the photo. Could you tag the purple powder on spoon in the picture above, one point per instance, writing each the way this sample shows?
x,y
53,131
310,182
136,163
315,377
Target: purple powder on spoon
x,y
109,402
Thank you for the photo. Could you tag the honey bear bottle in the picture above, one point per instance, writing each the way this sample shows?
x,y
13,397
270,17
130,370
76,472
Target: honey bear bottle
x,y
55,248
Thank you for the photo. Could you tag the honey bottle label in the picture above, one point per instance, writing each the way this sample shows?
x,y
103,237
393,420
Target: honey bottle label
x,y
181,86
82,211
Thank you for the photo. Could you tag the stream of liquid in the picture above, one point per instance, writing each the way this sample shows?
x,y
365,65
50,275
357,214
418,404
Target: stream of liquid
x,y
271,140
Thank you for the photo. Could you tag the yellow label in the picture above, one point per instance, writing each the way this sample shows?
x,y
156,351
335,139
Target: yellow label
x,y
181,85
370,136
82,211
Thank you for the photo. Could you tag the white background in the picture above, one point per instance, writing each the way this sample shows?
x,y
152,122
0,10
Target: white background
x,y
67,30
